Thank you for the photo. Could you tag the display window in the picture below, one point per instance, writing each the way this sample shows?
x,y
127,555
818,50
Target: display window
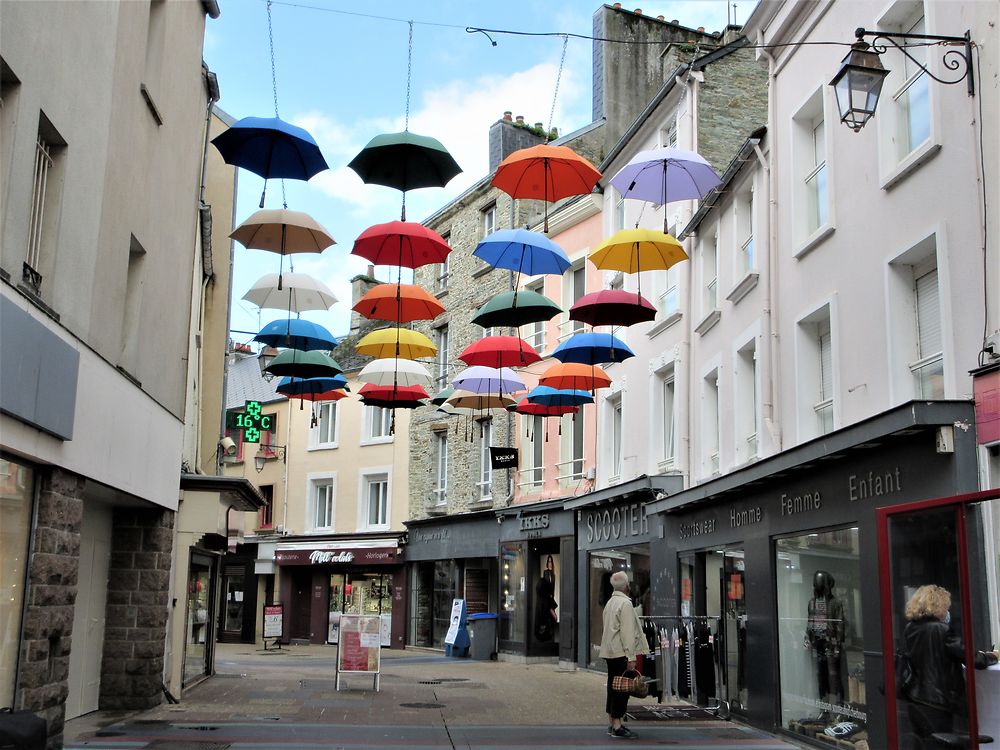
x,y
601,564
513,592
16,494
821,649
360,593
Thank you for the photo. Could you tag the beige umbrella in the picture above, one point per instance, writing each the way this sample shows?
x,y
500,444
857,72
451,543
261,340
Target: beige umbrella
x,y
284,232
301,292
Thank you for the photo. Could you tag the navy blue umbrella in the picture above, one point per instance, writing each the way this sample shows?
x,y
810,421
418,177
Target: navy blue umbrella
x,y
310,386
548,396
592,349
524,251
271,148
296,333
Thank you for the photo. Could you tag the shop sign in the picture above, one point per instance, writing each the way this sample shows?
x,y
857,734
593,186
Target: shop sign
x,y
362,556
534,525
616,524
698,527
503,458
422,535
272,620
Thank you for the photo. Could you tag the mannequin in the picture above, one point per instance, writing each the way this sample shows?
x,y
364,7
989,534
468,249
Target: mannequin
x,y
825,637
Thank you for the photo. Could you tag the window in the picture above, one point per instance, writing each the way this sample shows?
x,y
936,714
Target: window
x,y
710,425
668,437
534,333
486,332
667,299
265,516
10,86
574,287
46,189
745,222
489,219
811,196
532,458
323,493
444,273
377,500
668,136
816,376
132,311
378,423
442,356
324,433
710,273
441,484
816,176
618,215
571,449
928,369
746,403
485,481
155,42
824,407
911,97
616,437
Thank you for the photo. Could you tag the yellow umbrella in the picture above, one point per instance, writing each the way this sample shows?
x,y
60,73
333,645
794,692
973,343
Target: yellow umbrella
x,y
635,250
396,342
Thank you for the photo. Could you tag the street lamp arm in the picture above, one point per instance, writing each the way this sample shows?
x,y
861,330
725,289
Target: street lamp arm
x,y
952,59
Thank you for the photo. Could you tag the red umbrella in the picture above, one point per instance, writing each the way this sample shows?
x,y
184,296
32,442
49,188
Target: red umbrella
x,y
541,410
399,303
500,351
392,393
401,243
334,395
612,307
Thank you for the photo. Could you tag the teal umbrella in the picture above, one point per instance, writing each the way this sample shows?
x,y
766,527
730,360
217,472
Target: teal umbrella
x,y
516,309
299,364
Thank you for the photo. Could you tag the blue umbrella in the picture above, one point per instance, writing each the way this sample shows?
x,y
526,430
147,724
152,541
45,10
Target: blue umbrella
x,y
296,333
300,386
271,148
548,396
592,349
523,251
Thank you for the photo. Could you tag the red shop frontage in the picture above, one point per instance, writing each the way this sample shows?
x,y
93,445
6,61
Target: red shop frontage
x,y
321,579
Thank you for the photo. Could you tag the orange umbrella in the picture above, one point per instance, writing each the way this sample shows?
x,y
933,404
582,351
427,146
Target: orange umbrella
x,y
399,303
547,173
575,376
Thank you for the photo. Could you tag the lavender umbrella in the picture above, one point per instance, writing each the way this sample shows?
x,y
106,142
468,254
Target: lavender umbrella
x,y
482,379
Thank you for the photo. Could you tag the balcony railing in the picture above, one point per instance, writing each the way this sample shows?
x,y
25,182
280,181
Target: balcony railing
x,y
929,376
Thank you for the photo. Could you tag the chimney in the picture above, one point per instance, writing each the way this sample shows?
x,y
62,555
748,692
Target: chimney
x,y
507,116
508,136
360,285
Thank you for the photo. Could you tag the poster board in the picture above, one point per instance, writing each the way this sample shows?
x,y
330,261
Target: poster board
x,y
455,621
360,647
272,626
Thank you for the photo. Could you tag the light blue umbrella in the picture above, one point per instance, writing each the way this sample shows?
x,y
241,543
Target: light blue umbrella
x,y
592,349
523,251
296,333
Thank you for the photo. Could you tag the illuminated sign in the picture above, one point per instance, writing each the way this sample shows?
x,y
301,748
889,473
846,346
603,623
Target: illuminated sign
x,y
252,421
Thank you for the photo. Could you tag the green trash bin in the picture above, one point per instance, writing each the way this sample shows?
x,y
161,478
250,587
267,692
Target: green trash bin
x,y
483,636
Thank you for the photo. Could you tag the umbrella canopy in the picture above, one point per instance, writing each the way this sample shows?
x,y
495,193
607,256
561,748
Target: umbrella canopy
x,y
299,364
297,386
663,175
394,372
335,395
612,307
523,406
516,309
400,303
299,293
592,349
635,250
524,251
392,393
270,147
500,351
479,401
547,396
295,333
396,342
575,376
480,379
401,243
443,395
282,231
405,161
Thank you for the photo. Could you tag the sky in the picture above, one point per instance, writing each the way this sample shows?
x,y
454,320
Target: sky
x,y
341,72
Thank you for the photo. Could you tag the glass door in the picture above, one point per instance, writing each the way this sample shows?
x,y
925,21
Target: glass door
x,y
734,629
200,635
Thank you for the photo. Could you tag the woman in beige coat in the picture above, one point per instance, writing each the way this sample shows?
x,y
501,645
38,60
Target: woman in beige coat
x,y
621,642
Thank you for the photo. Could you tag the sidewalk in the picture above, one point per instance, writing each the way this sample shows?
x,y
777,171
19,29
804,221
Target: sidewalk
x,y
287,698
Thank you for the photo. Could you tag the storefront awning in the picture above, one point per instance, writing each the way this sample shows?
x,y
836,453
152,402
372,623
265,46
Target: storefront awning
x,y
234,492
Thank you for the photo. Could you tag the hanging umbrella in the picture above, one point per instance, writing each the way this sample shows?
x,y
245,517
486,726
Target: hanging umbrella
x,y
547,173
299,386
396,342
405,161
295,333
524,251
575,376
500,351
547,396
284,232
399,303
335,395
299,364
592,349
443,395
663,175
394,372
480,379
636,250
445,408
270,147
398,397
300,293
516,309
479,401
612,307
401,243
523,406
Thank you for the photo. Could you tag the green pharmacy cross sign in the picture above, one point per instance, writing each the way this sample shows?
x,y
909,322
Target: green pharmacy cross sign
x,y
251,420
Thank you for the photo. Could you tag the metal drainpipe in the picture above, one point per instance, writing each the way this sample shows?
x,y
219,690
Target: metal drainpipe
x,y
509,438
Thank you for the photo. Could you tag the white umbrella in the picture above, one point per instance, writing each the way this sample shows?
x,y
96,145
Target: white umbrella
x,y
392,371
299,292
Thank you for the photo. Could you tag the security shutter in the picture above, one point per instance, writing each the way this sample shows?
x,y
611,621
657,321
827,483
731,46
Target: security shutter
x,y
928,315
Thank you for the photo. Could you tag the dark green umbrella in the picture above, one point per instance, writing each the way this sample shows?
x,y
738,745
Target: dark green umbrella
x,y
443,395
405,161
299,364
516,309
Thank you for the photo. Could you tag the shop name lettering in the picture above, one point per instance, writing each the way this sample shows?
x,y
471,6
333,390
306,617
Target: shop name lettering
x,y
859,487
321,557
531,523
616,523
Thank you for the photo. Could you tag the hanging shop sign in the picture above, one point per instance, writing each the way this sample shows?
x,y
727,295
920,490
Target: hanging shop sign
x,y
251,420
503,458
337,556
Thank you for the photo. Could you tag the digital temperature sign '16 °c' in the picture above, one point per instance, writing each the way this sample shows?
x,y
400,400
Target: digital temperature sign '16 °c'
x,y
252,421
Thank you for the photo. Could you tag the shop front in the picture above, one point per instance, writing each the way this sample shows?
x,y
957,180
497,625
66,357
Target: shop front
x,y
452,557
322,579
771,576
537,581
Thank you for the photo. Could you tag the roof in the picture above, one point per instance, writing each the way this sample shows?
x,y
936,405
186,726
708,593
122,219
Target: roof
x,y
641,484
236,492
245,383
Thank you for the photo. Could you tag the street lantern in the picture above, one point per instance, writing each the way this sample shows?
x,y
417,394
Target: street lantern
x,y
267,354
858,84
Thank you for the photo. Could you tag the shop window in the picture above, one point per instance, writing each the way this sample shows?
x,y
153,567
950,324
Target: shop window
x,y
197,649
513,592
359,593
233,590
16,497
433,591
821,650
633,560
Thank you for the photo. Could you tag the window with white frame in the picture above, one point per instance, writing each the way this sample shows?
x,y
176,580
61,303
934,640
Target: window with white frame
x,y
668,135
668,422
911,96
324,433
571,448
485,482
618,214
45,192
745,223
811,195
489,219
746,403
710,273
486,332
824,405
574,287
667,299
617,448
323,496
444,270
928,368
534,333
710,424
441,467
378,423
532,459
442,357
376,498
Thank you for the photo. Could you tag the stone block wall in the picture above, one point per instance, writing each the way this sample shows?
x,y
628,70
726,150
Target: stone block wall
x,y
51,595
138,602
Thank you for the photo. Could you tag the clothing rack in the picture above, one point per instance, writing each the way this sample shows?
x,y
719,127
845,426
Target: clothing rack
x,y
672,634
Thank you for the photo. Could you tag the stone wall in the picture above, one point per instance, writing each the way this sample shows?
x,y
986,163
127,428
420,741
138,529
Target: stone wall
x,y
138,602
52,584
732,104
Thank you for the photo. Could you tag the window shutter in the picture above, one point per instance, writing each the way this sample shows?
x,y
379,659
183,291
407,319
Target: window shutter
x,y
825,366
928,315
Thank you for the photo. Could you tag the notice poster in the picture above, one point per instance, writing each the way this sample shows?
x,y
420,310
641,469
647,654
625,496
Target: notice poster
x,y
272,620
456,621
360,643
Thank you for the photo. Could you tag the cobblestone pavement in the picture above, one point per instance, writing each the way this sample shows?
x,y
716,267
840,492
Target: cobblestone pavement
x,y
288,699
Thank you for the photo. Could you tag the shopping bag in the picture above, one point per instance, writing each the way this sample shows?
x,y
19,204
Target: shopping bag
x,y
630,682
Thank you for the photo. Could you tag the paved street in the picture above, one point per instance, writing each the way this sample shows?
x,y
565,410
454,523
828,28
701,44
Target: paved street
x,y
288,699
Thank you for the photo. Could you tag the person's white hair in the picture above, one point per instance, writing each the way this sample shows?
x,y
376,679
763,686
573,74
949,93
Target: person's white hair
x,y
619,580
